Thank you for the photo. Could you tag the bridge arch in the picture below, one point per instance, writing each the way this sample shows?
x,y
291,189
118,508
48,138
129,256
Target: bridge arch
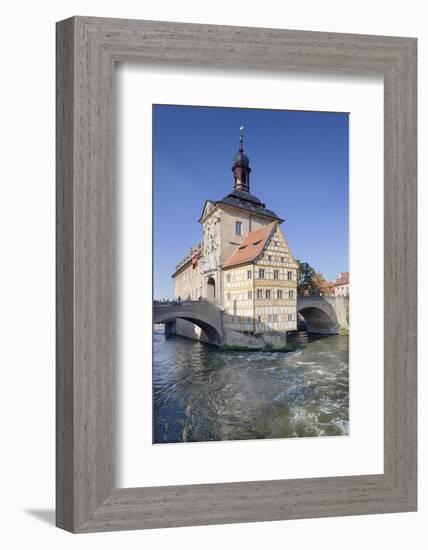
x,y
202,314
317,314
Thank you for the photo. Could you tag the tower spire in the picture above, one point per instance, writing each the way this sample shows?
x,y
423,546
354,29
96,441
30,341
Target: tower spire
x,y
241,167
241,139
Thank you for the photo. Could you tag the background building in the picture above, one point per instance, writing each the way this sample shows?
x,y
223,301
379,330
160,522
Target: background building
x,y
341,284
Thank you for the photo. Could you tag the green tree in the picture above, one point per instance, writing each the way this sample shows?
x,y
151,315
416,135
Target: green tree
x,y
306,279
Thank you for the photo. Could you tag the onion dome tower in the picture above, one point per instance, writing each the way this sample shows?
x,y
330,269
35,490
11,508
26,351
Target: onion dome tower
x,y
240,197
241,167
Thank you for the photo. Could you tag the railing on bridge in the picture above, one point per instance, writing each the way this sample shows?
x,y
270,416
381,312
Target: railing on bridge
x,y
173,302
168,303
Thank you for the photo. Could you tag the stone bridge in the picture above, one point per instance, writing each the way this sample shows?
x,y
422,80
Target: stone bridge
x,y
202,313
322,314
318,314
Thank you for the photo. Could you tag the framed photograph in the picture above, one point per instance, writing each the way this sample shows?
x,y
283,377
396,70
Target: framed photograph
x,y
240,288
236,274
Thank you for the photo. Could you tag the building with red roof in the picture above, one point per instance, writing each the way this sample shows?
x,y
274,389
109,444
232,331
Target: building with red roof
x,y
243,263
341,284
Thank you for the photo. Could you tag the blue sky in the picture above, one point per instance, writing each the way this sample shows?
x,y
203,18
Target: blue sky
x,y
299,163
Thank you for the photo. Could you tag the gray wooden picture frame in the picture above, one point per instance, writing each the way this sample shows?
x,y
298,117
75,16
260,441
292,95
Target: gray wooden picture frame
x,y
87,50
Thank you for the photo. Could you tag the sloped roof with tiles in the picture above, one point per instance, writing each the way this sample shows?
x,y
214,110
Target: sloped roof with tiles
x,y
242,200
246,201
342,279
251,247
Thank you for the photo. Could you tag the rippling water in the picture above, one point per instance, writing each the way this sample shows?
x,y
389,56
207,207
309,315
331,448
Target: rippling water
x,y
204,394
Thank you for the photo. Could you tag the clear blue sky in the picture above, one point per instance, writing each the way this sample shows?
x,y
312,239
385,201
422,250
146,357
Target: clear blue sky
x,y
299,163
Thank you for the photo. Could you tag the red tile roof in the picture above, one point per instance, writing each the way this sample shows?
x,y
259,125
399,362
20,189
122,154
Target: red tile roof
x,y
342,279
251,246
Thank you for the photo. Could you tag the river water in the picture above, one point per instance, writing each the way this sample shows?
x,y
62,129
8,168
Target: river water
x,y
202,393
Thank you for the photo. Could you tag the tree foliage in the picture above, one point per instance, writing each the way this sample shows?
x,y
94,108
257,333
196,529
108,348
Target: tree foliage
x,y
305,278
322,286
310,282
